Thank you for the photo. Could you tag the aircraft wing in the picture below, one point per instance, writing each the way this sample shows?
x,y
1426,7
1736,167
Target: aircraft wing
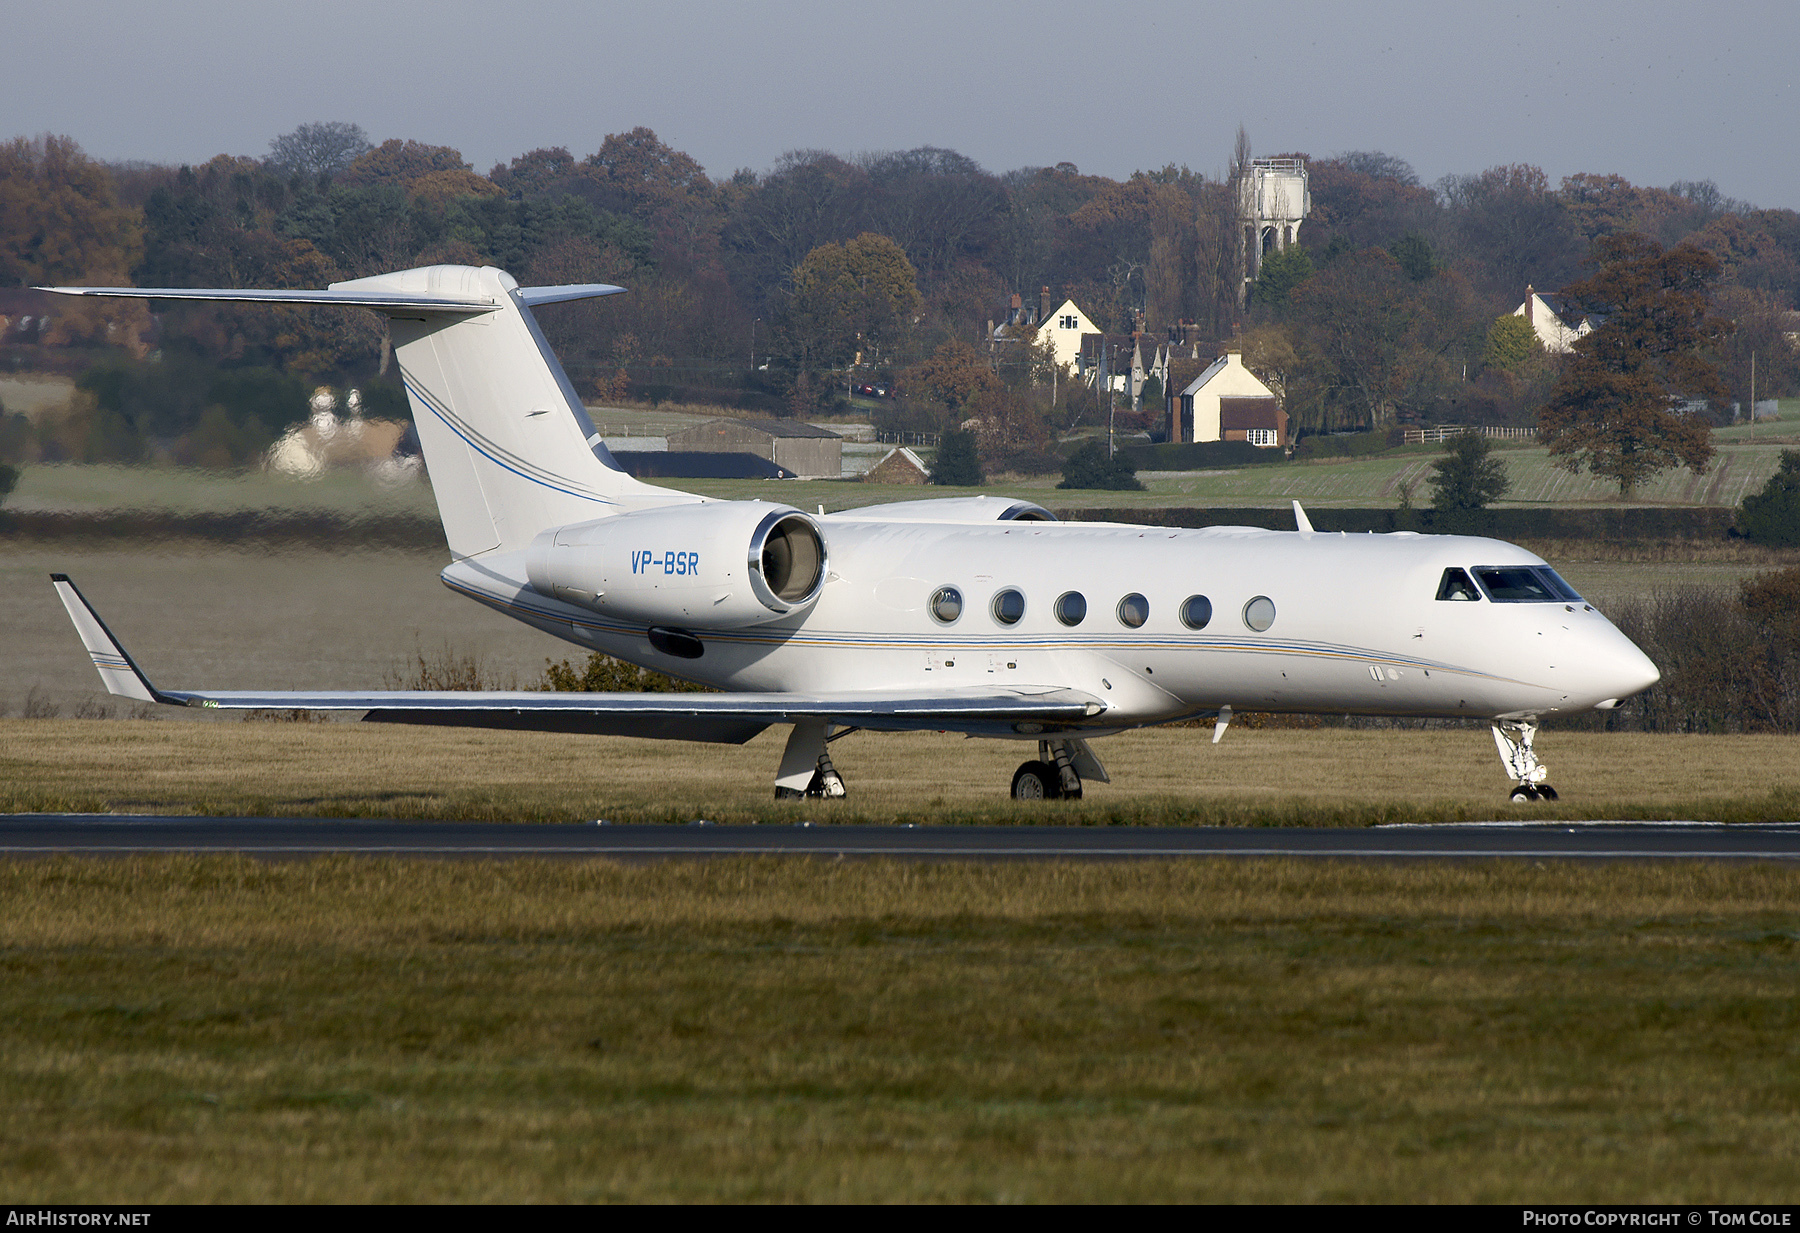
x,y
727,718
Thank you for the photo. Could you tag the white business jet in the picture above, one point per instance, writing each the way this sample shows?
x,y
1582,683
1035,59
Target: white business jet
x,y
986,617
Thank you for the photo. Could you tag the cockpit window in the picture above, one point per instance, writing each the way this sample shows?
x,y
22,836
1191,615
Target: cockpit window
x,y
1525,584
1456,585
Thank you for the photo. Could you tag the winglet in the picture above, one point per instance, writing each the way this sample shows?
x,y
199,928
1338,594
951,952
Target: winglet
x,y
1301,522
118,671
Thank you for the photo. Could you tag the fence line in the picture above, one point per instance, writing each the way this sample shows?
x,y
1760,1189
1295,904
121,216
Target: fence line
x,y
906,438
1444,432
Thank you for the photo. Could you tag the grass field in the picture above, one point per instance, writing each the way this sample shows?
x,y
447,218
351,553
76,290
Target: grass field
x,y
1163,776
1743,465
350,1030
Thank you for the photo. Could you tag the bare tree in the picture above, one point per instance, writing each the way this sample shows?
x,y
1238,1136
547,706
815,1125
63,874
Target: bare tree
x,y
325,148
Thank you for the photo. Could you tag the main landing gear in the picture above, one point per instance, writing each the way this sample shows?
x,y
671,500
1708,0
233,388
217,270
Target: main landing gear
x,y
1053,776
1513,740
806,772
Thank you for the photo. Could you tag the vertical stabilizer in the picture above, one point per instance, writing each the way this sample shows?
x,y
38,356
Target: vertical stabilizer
x,y
508,444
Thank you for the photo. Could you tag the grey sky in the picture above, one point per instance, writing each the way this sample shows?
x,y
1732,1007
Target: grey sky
x,y
1653,90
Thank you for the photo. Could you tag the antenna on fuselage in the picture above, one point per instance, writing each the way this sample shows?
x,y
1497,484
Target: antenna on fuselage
x,y
1302,523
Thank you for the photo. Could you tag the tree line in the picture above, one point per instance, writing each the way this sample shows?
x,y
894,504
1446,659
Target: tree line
x,y
761,288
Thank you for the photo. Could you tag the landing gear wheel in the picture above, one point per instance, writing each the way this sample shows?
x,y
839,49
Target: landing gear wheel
x,y
1547,792
825,786
1524,794
1036,781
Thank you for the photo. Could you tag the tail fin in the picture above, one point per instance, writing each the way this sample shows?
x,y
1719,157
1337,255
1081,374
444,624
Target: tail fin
x,y
510,449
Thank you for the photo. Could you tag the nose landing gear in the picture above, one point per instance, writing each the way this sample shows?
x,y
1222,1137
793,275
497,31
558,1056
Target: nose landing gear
x,y
1514,741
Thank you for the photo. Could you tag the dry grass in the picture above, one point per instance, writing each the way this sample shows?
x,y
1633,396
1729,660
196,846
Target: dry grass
x,y
207,1030
1162,776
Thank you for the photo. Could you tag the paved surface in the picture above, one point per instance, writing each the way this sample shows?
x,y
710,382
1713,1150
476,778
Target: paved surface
x,y
44,834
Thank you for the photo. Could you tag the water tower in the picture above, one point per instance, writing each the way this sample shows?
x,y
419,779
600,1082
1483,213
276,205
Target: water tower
x,y
1272,200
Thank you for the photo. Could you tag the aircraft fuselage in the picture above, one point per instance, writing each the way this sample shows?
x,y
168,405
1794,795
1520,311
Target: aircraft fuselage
x,y
1357,625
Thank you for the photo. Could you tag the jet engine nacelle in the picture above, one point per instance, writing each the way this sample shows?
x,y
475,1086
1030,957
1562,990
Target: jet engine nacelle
x,y
713,565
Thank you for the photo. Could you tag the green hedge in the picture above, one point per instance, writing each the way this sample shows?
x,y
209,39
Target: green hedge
x,y
1199,456
1349,445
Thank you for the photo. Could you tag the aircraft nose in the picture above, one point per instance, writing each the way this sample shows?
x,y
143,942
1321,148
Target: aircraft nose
x,y
1624,670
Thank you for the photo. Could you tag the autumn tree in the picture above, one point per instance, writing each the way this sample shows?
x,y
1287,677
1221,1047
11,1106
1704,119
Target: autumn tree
x,y
325,148
1514,226
1354,318
1615,411
860,296
60,221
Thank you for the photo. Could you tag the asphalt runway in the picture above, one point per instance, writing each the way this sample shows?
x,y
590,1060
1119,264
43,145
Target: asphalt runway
x,y
128,834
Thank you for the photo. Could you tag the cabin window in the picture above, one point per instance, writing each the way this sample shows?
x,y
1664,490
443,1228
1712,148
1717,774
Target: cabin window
x,y
1071,608
1134,610
1456,585
1196,611
1525,584
1009,606
946,605
1259,613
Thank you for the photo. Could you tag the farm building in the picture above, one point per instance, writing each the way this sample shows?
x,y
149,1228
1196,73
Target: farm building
x,y
898,466
1228,403
807,451
1557,322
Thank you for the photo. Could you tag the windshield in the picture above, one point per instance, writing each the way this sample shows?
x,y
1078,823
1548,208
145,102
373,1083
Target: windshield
x,y
1524,584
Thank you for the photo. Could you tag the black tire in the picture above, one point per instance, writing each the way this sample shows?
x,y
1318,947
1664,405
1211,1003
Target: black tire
x,y
1524,794
1547,792
1036,781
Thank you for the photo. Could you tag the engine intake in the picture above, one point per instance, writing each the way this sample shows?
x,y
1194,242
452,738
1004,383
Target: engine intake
x,y
710,565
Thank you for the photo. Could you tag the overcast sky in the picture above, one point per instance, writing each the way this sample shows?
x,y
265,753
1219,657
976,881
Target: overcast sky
x,y
1653,90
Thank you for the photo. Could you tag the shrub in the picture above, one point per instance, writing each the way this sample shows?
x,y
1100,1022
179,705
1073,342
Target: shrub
x,y
957,462
604,674
1092,467
1469,477
1772,516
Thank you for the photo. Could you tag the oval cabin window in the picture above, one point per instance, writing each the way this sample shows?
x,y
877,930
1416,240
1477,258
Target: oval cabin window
x,y
946,604
1071,608
1196,612
1009,606
1259,613
1134,610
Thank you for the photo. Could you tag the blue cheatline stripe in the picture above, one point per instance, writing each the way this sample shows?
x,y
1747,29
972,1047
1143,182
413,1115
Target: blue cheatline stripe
x,y
911,642
468,435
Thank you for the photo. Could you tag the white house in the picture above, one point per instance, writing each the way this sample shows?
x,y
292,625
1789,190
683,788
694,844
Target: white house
x,y
1555,321
1227,402
1063,330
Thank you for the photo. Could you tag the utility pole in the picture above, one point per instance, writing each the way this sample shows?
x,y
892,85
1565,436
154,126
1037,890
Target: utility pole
x,y
1112,404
